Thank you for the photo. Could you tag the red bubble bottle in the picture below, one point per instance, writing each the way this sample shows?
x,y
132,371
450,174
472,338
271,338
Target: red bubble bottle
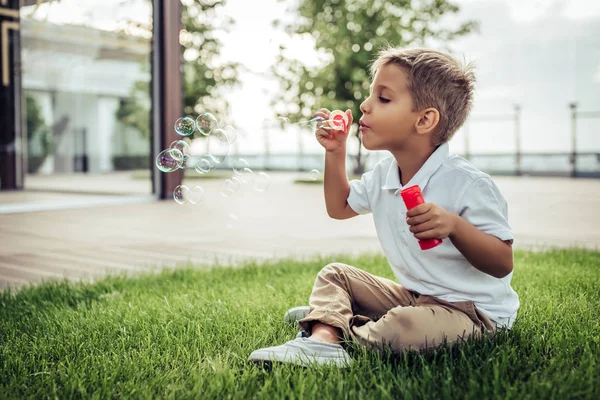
x,y
412,197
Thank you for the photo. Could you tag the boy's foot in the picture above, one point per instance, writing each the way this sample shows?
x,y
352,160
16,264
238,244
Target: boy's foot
x,y
303,352
293,315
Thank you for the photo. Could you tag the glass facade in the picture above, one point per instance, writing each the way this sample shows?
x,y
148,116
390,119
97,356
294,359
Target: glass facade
x,y
86,80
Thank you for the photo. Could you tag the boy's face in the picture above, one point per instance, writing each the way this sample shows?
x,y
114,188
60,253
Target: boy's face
x,y
388,120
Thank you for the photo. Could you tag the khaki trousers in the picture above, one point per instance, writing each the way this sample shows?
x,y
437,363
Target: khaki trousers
x,y
377,312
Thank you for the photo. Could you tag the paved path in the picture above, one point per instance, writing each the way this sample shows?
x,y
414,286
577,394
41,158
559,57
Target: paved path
x,y
286,220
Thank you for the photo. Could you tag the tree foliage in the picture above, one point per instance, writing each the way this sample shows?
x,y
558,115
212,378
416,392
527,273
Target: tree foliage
x,y
347,35
205,77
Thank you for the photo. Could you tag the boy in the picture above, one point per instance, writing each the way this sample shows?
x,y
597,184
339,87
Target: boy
x,y
418,99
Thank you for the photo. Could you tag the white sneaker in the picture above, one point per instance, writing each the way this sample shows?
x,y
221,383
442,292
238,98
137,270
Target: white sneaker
x,y
293,315
303,352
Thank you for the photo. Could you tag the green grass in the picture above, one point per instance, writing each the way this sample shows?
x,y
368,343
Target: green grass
x,y
187,334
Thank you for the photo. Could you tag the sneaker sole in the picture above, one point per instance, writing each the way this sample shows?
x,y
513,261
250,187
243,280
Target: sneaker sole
x,y
293,315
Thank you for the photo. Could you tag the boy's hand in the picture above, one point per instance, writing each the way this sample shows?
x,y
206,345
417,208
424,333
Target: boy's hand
x,y
430,221
328,138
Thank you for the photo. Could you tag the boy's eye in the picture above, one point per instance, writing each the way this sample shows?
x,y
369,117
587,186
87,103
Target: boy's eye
x,y
384,100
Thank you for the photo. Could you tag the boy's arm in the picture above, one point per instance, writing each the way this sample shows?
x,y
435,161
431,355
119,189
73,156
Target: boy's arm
x,y
336,185
485,252
480,231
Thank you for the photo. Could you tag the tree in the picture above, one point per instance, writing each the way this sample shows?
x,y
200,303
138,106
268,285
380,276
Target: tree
x,y
347,35
204,77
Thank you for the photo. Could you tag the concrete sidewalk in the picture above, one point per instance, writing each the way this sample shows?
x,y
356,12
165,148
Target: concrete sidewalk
x,y
287,220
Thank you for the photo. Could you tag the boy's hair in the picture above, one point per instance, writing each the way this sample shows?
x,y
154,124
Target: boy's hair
x,y
435,80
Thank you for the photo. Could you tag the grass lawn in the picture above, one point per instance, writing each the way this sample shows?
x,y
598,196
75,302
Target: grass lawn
x,y
187,334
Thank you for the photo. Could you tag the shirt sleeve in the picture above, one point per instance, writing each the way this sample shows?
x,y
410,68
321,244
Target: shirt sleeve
x,y
358,198
484,206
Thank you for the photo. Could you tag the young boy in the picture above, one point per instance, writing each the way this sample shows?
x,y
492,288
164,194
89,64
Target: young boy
x,y
418,99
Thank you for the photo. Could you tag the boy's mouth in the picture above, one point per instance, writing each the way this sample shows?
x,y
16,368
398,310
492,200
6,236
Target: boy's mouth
x,y
363,126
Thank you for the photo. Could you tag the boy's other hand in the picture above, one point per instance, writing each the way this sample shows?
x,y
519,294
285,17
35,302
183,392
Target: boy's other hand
x,y
430,221
332,140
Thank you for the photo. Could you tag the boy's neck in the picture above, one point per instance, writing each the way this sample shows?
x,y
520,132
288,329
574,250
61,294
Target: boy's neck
x,y
410,161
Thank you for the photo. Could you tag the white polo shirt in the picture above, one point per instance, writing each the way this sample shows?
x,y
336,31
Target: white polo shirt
x,y
453,183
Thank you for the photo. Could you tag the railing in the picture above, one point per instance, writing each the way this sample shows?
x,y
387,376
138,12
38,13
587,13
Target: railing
x,y
517,163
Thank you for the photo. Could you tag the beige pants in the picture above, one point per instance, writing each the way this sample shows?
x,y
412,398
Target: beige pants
x,y
375,312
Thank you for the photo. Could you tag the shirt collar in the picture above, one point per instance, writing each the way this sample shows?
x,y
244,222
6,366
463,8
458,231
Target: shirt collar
x,y
435,160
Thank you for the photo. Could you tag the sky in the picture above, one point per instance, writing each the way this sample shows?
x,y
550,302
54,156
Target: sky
x,y
540,54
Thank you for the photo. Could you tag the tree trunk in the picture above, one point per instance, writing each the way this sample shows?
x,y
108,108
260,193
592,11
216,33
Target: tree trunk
x,y
359,167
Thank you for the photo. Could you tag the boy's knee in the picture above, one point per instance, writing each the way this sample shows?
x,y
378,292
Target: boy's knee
x,y
333,269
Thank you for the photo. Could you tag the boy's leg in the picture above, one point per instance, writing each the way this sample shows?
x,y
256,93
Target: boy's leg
x,y
427,325
341,291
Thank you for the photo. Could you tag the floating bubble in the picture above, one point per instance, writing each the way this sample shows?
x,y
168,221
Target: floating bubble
x,y
283,121
169,160
185,161
197,195
231,133
218,145
212,159
235,183
262,181
185,126
204,165
180,145
240,165
247,175
226,189
181,194
206,123
314,174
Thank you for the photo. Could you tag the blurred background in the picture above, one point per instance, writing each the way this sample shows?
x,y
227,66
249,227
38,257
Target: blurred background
x,y
86,70
91,90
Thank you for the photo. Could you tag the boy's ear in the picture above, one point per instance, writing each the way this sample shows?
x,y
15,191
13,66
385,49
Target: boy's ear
x,y
428,120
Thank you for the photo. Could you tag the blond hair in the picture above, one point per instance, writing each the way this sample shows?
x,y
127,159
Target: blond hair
x,y
435,80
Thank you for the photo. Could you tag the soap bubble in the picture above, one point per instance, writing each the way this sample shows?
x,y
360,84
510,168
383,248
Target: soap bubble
x,y
169,160
230,186
180,145
231,133
181,194
184,162
235,184
218,145
247,175
197,196
226,189
240,165
314,174
204,165
185,126
206,123
283,121
262,181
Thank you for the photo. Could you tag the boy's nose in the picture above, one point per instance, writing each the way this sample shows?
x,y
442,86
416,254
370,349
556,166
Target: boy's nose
x,y
363,107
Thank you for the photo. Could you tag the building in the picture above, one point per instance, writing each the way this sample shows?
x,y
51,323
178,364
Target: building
x,y
74,79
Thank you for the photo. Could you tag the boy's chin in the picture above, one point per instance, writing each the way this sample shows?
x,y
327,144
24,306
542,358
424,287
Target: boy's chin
x,y
365,144
370,146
